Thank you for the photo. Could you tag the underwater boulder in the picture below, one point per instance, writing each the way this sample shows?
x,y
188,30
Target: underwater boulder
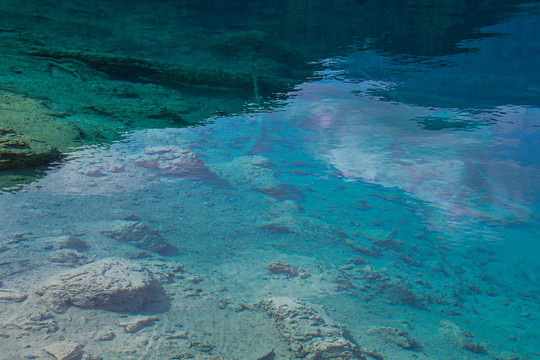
x,y
111,284
20,151
30,132
311,332
141,236
399,337
65,350
177,162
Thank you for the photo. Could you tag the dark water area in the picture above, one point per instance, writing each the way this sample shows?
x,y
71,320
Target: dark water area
x,y
252,180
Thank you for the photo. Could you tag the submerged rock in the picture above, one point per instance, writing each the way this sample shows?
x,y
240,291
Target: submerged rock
x,y
249,171
104,336
64,242
20,151
138,234
137,323
65,350
399,337
283,268
30,133
271,355
68,257
12,295
170,76
400,293
174,161
462,338
473,347
285,192
311,332
111,284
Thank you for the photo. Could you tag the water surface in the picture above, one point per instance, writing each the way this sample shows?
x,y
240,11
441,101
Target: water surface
x,y
402,178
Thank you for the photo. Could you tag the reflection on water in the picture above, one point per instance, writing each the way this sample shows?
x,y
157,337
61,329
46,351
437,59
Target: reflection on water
x,y
102,68
326,28
399,194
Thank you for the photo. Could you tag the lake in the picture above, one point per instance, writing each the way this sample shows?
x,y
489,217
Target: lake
x,y
233,180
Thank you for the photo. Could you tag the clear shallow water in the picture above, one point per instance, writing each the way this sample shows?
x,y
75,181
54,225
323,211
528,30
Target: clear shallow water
x,y
421,171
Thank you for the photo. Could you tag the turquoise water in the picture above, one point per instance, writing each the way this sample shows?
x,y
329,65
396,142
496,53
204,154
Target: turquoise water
x,y
403,184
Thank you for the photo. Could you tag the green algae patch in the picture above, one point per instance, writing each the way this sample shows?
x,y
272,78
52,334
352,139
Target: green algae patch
x,y
30,134
176,76
18,151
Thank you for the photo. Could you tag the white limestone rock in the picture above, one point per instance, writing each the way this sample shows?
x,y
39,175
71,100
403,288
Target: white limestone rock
x,y
65,350
113,284
312,334
178,162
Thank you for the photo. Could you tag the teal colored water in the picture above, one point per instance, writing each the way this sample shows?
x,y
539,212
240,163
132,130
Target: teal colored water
x,y
395,189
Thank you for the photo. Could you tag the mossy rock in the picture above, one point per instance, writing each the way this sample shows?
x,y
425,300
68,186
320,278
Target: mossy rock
x,y
20,151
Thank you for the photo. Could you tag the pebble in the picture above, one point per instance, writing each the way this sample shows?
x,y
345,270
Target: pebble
x,y
138,323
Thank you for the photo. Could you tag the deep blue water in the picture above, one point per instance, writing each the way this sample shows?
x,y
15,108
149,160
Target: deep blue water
x,y
423,167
